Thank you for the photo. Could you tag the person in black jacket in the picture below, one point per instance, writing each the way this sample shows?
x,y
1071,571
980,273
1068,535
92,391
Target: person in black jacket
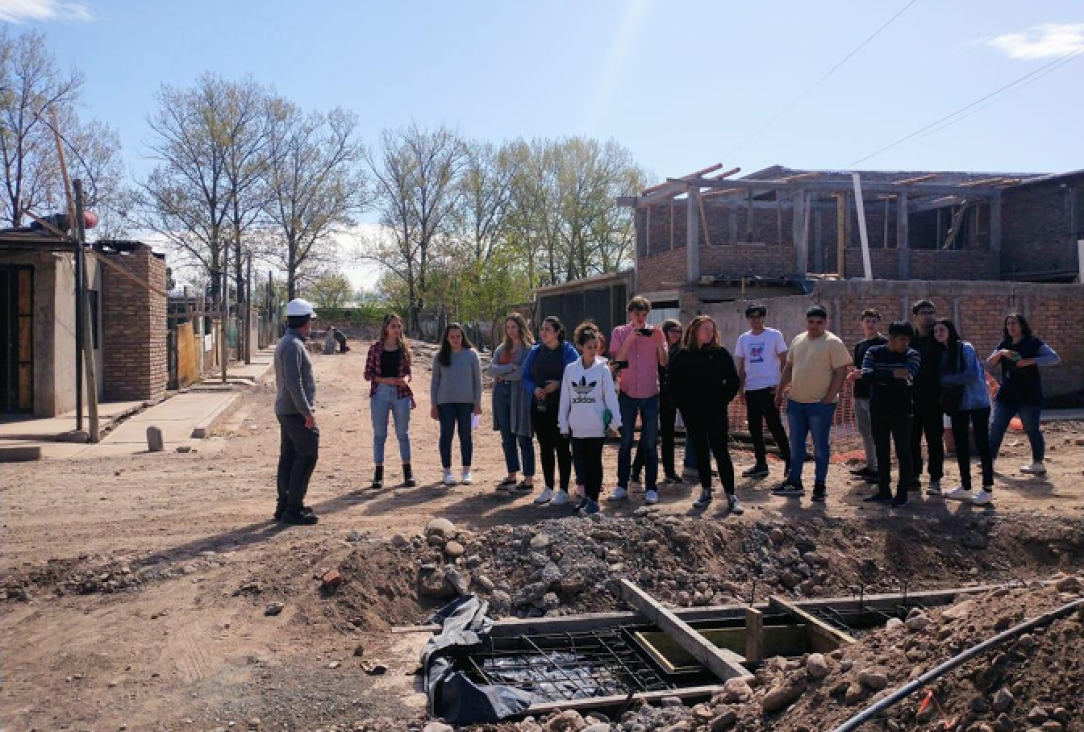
x,y
704,380
889,370
928,416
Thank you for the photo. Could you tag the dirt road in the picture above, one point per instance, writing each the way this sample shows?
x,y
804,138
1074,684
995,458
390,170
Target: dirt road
x,y
134,588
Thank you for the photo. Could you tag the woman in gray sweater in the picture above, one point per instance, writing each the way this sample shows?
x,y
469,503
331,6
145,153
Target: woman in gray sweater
x,y
456,395
512,405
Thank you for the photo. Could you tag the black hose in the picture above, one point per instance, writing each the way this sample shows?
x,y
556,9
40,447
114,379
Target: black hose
x,y
905,691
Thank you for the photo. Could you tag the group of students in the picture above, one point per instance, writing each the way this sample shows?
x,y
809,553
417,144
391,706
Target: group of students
x,y
569,396
912,379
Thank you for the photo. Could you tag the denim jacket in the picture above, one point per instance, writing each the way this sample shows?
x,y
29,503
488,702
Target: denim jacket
x,y
971,376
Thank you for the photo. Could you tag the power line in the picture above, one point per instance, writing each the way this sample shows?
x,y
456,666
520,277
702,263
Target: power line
x,y
818,82
929,129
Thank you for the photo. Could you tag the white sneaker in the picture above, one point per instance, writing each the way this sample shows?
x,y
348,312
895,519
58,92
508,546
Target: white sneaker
x,y
449,479
545,496
619,494
560,499
1034,469
651,498
467,478
982,498
959,494
934,489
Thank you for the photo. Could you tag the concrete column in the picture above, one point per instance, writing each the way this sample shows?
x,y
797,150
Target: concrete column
x,y
692,236
903,236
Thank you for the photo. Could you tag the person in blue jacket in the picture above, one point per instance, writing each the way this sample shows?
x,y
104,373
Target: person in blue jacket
x,y
543,371
967,403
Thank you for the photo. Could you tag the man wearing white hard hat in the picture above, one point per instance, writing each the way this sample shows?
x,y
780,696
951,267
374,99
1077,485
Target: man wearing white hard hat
x,y
294,408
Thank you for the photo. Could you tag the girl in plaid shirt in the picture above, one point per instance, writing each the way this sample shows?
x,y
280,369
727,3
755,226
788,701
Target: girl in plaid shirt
x,y
387,368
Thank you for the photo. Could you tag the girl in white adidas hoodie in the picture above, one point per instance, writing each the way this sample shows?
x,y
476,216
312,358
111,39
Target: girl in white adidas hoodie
x,y
588,408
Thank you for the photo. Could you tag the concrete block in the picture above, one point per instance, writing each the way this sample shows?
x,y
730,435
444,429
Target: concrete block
x,y
155,443
20,454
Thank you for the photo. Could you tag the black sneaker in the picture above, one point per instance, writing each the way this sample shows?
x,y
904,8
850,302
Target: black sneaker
x,y
301,518
280,511
674,478
900,501
820,493
757,471
878,498
377,483
789,489
864,472
411,482
705,499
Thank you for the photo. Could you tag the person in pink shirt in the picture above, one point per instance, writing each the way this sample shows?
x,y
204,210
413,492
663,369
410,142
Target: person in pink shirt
x,y
638,350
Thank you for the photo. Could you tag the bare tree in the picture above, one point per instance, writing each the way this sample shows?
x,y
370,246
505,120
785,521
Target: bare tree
x,y
416,175
314,186
205,194
31,90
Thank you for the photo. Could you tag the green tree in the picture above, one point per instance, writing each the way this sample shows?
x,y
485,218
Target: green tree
x,y
330,291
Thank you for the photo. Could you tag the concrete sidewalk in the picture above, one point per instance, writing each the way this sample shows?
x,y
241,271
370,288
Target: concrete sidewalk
x,y
62,428
185,418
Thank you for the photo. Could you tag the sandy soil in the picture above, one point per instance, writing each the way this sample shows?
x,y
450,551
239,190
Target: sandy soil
x,y
177,557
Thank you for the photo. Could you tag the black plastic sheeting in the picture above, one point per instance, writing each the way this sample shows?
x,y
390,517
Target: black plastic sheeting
x,y
453,697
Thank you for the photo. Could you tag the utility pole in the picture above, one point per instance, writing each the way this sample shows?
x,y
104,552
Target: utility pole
x,y
85,324
248,310
224,307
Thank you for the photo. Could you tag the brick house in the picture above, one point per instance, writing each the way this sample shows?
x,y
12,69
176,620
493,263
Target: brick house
x,y
38,323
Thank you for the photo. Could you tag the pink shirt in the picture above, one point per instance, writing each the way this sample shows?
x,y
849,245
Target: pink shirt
x,y
641,379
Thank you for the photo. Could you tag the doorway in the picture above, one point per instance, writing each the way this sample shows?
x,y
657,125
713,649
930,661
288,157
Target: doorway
x,y
17,337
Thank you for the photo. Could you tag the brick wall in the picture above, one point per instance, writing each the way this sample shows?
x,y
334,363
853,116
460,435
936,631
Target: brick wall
x,y
1038,230
1056,314
134,328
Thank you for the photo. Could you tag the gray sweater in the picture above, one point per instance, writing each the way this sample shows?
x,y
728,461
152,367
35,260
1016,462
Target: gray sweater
x,y
293,376
460,383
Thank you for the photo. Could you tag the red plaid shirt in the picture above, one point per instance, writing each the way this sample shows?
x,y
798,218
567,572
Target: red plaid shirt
x,y
372,371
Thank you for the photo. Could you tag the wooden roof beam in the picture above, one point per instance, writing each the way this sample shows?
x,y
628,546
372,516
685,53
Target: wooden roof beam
x,y
917,179
694,174
821,186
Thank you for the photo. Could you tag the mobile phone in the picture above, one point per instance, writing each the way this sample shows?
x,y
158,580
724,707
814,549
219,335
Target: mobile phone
x,y
644,331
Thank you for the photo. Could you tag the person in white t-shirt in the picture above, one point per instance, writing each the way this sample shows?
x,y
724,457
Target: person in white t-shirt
x,y
761,354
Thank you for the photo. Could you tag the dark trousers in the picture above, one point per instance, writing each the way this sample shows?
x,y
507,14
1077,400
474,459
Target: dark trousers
x,y
587,454
928,421
451,417
760,406
710,436
886,430
299,450
551,444
667,421
979,420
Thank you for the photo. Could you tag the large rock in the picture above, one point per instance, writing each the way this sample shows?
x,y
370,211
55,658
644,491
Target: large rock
x,y
873,679
817,666
440,527
1069,584
917,622
569,721
454,549
438,727
736,690
724,721
960,611
782,696
1003,700
540,542
433,584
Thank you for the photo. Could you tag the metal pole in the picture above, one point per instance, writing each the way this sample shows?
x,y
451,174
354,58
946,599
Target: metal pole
x,y
85,325
80,297
861,207
248,311
225,302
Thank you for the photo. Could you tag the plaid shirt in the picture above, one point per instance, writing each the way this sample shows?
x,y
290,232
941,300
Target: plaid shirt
x,y
372,371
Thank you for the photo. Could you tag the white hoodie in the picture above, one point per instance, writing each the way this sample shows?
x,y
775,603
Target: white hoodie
x,y
586,393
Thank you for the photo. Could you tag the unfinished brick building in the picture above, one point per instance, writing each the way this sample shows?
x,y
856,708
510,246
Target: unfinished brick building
x,y
966,240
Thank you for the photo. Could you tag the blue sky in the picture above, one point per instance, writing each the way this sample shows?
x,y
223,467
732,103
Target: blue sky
x,y
681,84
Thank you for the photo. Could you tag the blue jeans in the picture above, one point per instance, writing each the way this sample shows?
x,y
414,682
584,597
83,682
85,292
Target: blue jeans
x,y
509,442
649,434
386,401
803,420
452,416
1029,416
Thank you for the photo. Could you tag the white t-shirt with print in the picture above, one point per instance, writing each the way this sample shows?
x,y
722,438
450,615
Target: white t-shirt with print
x,y
761,356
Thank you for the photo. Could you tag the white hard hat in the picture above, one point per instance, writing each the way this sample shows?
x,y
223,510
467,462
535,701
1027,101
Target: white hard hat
x,y
299,308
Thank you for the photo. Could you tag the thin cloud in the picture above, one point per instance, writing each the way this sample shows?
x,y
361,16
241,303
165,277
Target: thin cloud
x,y
19,11
1048,40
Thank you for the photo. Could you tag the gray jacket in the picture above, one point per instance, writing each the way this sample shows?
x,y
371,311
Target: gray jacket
x,y
511,404
293,376
459,383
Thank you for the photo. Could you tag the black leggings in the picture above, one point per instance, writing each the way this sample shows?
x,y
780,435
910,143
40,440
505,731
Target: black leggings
x,y
710,436
551,443
979,420
587,454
